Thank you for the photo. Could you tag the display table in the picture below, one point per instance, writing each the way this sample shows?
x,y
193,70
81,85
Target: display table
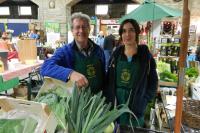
x,y
12,77
20,70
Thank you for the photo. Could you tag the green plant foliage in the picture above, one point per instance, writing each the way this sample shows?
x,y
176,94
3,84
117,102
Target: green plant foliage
x,y
27,125
162,66
83,112
168,76
192,72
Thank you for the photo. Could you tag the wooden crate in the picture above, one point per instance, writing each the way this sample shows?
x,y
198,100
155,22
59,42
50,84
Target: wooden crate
x,y
47,122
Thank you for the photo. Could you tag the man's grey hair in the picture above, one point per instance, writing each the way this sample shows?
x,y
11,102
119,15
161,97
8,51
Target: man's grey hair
x,y
80,15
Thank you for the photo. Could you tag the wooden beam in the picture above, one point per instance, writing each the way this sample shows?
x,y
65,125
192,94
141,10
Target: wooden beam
x,y
72,2
182,62
1,1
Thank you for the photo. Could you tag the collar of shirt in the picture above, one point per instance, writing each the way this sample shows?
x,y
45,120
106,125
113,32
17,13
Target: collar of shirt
x,y
84,51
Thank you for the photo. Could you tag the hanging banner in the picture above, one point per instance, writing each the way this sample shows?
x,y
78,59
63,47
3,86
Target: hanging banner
x,y
52,27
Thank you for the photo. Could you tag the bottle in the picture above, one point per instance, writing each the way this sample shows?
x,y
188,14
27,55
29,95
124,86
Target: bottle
x,y
1,66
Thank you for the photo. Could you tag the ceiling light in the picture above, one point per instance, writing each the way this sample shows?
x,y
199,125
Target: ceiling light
x,y
131,7
101,9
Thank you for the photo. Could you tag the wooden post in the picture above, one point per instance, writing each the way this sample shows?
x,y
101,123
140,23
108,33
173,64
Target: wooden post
x,y
182,62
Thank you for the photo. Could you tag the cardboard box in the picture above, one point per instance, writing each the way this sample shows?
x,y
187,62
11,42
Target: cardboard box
x,y
27,50
21,91
41,110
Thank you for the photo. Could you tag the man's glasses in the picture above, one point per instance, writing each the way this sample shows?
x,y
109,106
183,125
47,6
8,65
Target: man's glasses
x,y
80,27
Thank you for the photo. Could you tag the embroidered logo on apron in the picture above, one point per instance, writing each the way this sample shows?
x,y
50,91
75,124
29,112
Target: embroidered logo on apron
x,y
91,71
125,75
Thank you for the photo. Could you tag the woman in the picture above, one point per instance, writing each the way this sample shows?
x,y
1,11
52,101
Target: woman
x,y
6,45
134,71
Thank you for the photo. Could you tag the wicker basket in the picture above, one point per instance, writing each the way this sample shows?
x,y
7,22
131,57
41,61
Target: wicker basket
x,y
191,113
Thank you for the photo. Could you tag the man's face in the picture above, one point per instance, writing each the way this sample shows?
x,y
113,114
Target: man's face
x,y
80,31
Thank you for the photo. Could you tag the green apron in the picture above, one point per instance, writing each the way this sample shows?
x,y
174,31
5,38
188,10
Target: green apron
x,y
92,68
127,74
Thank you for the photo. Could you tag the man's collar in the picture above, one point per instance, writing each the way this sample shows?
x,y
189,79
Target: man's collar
x,y
78,45
90,45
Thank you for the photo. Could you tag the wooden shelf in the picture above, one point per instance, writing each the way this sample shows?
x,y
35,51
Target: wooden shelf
x,y
168,57
169,84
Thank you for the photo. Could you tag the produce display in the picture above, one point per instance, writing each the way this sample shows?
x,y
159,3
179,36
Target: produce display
x,y
82,112
162,66
192,72
168,76
165,73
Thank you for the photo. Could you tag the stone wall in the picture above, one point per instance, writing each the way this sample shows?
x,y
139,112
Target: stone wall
x,y
60,14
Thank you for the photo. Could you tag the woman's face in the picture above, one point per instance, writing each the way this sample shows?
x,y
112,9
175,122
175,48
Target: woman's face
x,y
128,34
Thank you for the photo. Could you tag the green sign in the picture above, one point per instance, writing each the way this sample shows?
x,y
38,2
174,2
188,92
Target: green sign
x,y
52,27
93,21
5,26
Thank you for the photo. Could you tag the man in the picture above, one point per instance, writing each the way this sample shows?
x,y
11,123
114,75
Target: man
x,y
34,35
109,43
100,39
81,61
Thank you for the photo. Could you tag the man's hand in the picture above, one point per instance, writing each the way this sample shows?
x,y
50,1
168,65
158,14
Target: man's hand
x,y
79,79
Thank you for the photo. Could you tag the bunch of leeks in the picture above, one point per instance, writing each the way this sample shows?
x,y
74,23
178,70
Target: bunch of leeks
x,y
88,113
83,112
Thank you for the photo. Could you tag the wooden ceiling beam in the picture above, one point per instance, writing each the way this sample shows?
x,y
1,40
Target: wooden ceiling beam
x,y
72,2
1,1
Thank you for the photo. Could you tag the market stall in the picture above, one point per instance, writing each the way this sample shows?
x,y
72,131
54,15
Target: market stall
x,y
59,106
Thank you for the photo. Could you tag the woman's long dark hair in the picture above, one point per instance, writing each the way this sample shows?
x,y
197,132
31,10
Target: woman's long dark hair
x,y
134,24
